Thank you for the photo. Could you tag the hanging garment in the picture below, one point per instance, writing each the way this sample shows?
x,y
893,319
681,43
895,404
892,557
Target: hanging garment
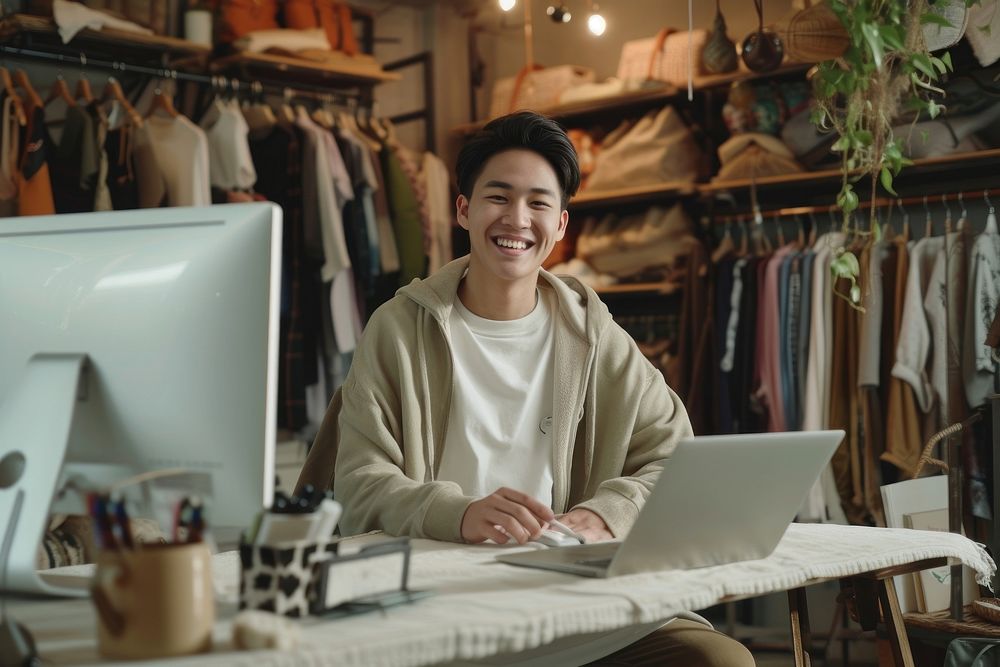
x,y
411,167
769,390
327,195
844,409
73,163
982,305
34,186
936,310
405,218
102,195
958,245
823,502
388,253
691,376
10,135
278,163
913,349
231,165
440,208
726,274
171,163
121,180
359,230
903,442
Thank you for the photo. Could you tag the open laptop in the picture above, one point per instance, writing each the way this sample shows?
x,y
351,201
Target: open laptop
x,y
719,499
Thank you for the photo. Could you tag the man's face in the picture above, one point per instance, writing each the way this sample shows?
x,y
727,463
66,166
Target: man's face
x,y
514,215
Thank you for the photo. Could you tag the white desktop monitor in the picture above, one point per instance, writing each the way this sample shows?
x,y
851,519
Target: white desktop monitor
x,y
172,315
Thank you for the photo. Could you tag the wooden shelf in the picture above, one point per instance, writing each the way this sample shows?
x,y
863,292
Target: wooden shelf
x,y
644,97
921,169
923,166
639,288
26,30
601,198
343,69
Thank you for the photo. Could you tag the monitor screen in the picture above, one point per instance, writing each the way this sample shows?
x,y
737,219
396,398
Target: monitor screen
x,y
176,311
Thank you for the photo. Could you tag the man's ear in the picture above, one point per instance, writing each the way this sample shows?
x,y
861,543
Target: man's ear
x,y
462,211
563,224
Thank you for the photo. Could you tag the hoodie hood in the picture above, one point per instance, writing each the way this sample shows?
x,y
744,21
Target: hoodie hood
x,y
580,307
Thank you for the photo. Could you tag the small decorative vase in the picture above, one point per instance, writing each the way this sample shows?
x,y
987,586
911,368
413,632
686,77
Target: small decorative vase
x,y
762,51
719,55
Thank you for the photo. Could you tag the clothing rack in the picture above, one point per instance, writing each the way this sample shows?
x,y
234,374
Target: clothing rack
x,y
881,202
121,68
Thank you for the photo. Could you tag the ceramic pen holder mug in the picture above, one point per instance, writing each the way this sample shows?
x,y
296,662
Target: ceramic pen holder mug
x,y
154,601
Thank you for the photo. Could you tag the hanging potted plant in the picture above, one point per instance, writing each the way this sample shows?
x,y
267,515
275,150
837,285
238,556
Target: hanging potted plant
x,y
886,70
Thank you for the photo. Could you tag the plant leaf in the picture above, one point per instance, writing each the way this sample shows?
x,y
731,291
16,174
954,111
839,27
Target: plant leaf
x,y
885,177
875,43
923,63
946,59
931,18
855,293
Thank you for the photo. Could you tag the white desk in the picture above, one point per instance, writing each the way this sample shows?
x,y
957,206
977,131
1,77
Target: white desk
x,y
483,608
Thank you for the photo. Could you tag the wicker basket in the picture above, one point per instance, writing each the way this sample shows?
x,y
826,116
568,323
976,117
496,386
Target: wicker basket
x,y
813,34
988,608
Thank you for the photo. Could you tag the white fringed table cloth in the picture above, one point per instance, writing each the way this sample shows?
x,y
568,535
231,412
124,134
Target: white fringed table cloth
x,y
482,608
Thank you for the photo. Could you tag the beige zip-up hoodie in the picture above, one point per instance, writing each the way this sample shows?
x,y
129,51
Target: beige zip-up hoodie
x,y
614,419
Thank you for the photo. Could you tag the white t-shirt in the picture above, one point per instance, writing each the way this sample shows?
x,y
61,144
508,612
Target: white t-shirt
x,y
230,161
171,163
500,427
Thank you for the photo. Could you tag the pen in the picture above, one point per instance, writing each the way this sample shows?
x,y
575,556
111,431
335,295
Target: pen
x,y
124,527
566,530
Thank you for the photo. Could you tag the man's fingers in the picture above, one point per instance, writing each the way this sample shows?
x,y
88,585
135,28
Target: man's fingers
x,y
510,524
529,521
496,534
540,510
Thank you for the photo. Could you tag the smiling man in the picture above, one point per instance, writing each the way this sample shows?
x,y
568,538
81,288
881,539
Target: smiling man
x,y
493,396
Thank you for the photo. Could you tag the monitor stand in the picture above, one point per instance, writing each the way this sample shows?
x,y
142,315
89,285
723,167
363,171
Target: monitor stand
x,y
36,419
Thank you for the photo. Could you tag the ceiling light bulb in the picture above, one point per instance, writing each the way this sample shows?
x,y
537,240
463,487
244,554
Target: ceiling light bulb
x,y
507,5
559,13
597,24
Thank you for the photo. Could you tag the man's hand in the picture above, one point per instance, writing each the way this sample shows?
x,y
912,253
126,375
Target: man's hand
x,y
588,524
504,512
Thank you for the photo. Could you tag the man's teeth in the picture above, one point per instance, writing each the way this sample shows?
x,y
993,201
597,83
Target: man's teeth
x,y
515,245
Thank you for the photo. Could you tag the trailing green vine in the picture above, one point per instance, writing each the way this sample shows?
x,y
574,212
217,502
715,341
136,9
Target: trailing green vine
x,y
885,72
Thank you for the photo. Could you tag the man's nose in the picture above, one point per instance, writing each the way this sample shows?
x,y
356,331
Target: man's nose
x,y
520,215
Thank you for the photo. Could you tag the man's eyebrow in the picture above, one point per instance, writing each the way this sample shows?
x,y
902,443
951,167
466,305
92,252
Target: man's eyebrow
x,y
503,185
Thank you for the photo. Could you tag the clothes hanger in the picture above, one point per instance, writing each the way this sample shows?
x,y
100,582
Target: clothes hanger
x,y
801,240
60,91
162,102
928,224
991,218
285,113
744,236
726,245
83,91
947,214
8,86
30,95
113,91
963,214
780,230
259,116
322,116
906,220
813,226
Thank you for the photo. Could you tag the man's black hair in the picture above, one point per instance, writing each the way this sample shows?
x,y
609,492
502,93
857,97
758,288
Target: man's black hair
x,y
522,130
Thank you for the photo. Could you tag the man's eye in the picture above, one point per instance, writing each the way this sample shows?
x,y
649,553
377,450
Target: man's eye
x,y
497,198
540,204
